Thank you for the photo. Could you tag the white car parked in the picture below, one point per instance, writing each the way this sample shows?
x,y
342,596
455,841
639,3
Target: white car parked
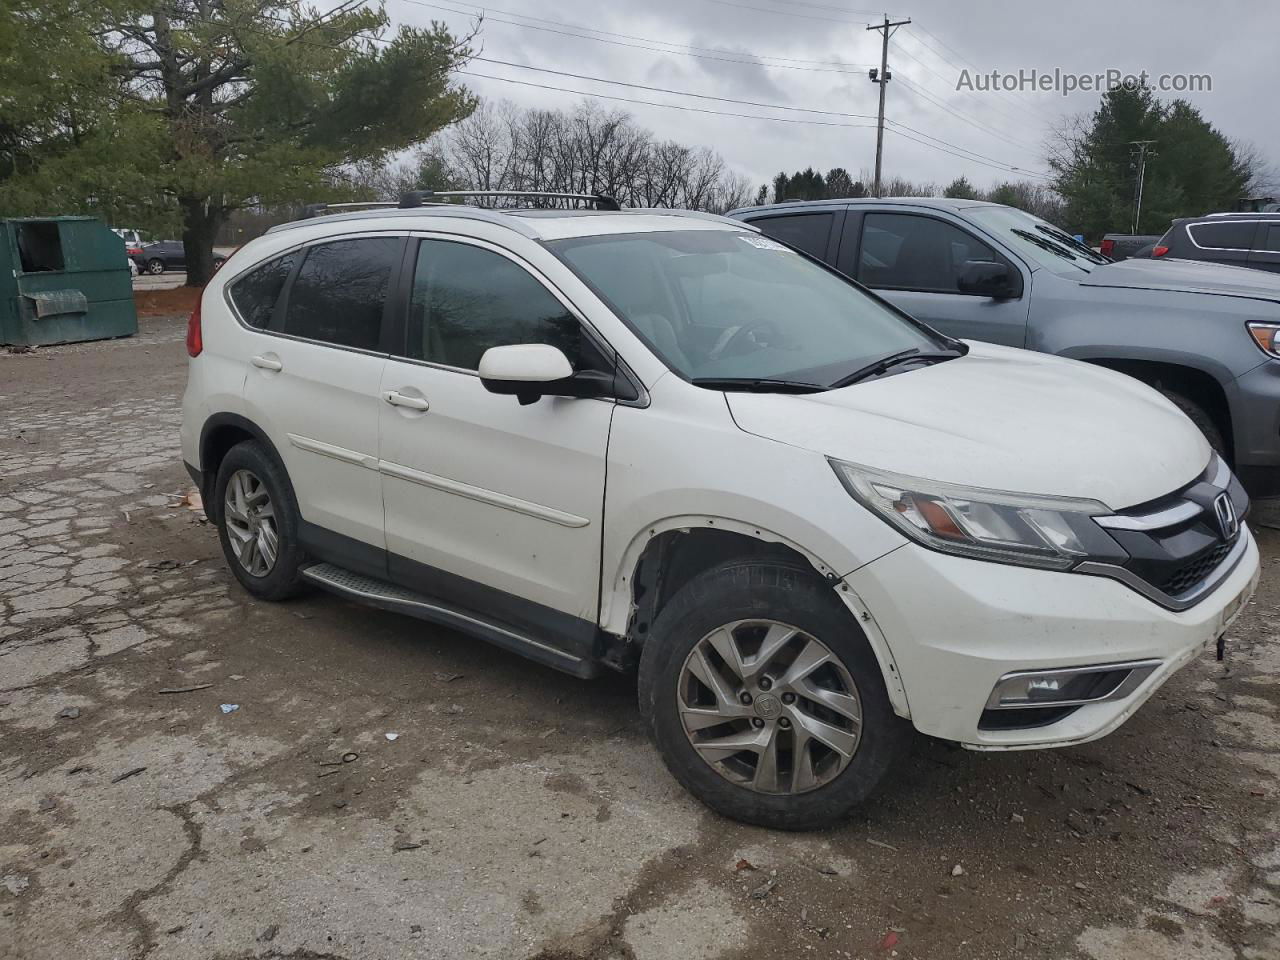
x,y
658,439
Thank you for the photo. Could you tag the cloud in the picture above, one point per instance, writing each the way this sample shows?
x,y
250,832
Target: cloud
x,y
723,49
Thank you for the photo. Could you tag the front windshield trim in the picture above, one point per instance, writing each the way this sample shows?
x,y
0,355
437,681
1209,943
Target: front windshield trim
x,y
558,247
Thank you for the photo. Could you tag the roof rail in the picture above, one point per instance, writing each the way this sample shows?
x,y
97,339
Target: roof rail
x,y
417,198
320,209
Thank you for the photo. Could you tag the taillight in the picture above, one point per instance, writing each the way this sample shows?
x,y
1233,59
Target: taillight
x,y
1159,250
1107,247
195,343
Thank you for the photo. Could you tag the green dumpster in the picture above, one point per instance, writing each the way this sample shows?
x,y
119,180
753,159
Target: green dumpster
x,y
63,279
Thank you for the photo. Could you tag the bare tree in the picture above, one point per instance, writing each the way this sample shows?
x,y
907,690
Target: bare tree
x,y
584,150
1264,178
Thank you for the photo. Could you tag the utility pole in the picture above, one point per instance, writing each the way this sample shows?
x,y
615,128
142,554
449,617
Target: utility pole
x,y
882,77
1141,146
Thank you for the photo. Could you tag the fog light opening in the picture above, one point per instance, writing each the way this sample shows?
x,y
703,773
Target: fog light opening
x,y
1069,686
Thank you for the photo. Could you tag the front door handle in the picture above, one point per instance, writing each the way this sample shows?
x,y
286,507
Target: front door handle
x,y
267,363
397,399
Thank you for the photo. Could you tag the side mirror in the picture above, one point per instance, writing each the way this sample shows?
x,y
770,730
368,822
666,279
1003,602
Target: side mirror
x,y
529,371
986,279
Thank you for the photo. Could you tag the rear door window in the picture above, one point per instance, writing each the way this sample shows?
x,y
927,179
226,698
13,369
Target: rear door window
x,y
1270,239
256,293
1223,235
809,232
340,292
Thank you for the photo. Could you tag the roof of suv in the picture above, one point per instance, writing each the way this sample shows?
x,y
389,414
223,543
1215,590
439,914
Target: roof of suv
x,y
1234,215
537,224
934,203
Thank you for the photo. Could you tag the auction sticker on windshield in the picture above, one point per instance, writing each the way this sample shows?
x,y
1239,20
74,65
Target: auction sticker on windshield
x,y
763,243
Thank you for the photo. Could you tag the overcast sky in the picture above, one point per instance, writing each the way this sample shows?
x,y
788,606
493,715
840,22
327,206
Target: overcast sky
x,y
790,53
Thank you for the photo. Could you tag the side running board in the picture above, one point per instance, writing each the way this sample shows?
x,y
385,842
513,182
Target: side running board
x,y
389,596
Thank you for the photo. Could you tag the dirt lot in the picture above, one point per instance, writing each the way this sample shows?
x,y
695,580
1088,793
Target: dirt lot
x,y
518,813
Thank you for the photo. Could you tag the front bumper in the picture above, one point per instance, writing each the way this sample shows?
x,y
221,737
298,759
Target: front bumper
x,y
955,626
1254,399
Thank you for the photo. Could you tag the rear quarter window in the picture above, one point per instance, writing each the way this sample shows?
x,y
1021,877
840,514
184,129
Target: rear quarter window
x,y
256,294
1223,236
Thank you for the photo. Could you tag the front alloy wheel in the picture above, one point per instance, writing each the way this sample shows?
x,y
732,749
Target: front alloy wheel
x,y
765,698
251,523
769,707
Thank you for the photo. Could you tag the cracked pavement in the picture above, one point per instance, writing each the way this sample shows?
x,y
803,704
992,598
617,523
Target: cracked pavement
x,y
518,813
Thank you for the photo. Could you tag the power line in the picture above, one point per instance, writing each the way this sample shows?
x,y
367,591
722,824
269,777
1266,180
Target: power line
x,y
1012,167
1008,168
484,10
750,103
756,59
965,60
670,106
992,103
788,13
995,164
824,6
919,91
678,93
968,64
914,88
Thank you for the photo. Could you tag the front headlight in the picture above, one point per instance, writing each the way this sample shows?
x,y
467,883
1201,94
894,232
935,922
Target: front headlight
x,y
1052,532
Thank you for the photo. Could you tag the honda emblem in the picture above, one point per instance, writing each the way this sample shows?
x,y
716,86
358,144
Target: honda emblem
x,y
1225,511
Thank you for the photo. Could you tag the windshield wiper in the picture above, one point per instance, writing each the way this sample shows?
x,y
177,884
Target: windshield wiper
x,y
757,384
1044,243
1061,236
884,364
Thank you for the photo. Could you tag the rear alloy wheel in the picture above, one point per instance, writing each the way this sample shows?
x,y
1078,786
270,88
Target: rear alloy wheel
x,y
769,707
251,524
764,697
155,267
257,517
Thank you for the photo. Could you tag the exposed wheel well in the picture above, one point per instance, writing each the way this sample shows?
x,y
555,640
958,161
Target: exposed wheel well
x,y
1196,385
214,446
672,559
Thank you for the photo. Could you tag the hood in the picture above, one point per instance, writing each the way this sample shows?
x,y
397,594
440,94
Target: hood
x,y
1190,276
999,418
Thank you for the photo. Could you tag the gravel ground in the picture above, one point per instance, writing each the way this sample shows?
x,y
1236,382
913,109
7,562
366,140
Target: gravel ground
x,y
518,813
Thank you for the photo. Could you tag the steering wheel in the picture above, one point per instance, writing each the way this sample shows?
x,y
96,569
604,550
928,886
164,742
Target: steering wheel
x,y
733,335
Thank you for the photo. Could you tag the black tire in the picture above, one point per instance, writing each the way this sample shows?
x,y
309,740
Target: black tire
x,y
282,580
1200,417
155,267
792,594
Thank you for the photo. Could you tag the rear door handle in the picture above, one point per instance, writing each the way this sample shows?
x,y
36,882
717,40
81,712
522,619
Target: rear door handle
x,y
267,363
397,399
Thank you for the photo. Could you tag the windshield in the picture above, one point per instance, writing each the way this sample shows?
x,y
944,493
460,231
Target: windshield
x,y
1038,240
721,305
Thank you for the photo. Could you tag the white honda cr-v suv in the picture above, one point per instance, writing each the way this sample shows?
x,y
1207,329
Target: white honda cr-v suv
x,y
661,441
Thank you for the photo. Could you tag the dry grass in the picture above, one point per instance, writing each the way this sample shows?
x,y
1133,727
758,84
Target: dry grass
x,y
179,301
